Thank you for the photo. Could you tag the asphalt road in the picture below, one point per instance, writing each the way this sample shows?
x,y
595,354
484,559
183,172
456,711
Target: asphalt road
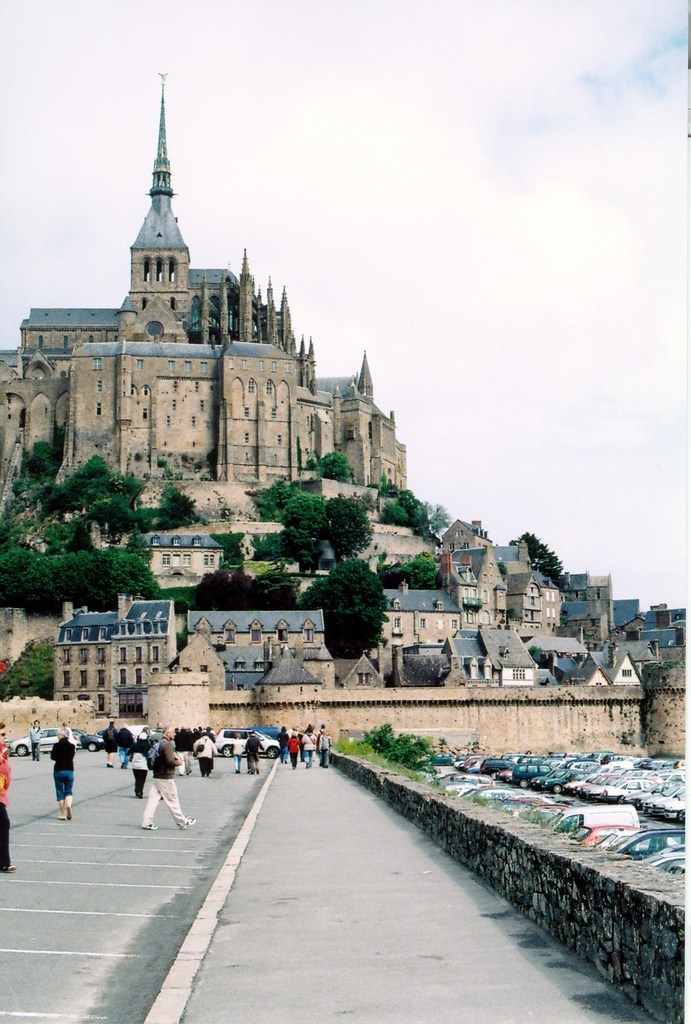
x,y
97,910
298,896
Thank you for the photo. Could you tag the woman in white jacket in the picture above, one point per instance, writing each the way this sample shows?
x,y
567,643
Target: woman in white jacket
x,y
205,750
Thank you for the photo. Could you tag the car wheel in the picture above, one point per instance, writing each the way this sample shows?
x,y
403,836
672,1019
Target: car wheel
x,y
557,788
523,783
681,817
227,751
92,747
272,753
21,750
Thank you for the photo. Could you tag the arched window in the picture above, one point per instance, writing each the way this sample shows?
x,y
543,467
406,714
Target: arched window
x,y
171,270
147,270
143,303
269,387
65,341
196,314
40,341
159,270
91,338
251,387
172,304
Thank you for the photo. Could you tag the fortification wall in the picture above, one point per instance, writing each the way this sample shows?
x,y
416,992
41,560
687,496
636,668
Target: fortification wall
x,y
17,629
625,918
20,712
573,718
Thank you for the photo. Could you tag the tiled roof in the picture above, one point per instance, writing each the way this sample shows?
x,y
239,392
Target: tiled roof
x,y
625,611
287,671
421,600
183,540
505,649
242,620
213,276
74,318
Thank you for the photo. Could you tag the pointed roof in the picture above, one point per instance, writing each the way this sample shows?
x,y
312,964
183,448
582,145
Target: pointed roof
x,y
160,228
289,672
364,384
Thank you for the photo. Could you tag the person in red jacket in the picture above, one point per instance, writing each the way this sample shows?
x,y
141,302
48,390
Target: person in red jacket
x,y
294,748
5,780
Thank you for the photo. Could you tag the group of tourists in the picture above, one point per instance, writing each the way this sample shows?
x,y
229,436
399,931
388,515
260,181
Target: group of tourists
x,y
294,744
174,752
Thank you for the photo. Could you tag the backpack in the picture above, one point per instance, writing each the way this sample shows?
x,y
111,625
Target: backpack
x,y
152,757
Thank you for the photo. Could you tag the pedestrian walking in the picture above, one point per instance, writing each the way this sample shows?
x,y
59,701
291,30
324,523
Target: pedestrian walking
x,y
35,734
110,741
6,864
252,747
163,785
62,755
238,749
308,745
184,742
205,751
294,748
324,747
125,739
283,738
139,761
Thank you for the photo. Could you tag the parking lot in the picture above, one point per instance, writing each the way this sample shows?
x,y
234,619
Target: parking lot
x,y
97,909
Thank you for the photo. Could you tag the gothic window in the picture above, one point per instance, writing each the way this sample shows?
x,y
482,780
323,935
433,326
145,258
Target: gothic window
x,y
159,270
145,391
269,387
145,414
251,387
143,303
171,270
196,314
147,270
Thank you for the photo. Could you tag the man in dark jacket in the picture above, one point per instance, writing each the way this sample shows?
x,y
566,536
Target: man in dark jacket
x,y
163,784
125,740
252,748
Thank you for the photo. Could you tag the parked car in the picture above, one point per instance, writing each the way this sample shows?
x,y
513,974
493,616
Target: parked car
x,y
22,747
675,810
595,835
492,765
610,814
522,773
268,747
266,730
89,741
659,807
672,861
616,792
649,841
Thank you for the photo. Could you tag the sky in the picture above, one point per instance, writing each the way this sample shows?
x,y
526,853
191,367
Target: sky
x,y
490,199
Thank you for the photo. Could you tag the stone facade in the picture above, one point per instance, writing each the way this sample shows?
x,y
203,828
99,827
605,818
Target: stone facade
x,y
193,376
181,559
626,919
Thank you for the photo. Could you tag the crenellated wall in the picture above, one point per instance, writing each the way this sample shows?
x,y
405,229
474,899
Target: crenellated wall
x,y
625,918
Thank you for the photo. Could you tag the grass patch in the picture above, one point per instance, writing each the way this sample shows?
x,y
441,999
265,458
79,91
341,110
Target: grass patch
x,y
356,748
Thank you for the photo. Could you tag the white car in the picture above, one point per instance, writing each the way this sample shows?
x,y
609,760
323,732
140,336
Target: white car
x,y
224,742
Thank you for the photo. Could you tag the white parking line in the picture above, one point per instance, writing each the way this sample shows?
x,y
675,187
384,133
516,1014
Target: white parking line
x,y
113,864
172,999
99,885
79,913
29,1014
70,952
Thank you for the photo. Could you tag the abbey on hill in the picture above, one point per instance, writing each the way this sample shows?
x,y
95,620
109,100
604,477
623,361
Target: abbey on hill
x,y
194,375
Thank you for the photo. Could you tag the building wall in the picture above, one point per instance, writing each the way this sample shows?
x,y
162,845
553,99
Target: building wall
x,y
17,629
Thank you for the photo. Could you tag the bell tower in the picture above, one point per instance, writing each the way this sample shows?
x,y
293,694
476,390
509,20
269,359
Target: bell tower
x,y
160,260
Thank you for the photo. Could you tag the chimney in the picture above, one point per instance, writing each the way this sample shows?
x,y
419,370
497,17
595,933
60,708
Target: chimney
x,y
67,611
663,617
403,587
612,655
124,605
397,665
654,646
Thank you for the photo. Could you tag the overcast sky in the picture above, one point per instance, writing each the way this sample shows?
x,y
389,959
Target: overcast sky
x,y
488,196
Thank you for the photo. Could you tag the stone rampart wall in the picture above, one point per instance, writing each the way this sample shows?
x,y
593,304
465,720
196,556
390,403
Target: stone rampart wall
x,y
625,918
17,629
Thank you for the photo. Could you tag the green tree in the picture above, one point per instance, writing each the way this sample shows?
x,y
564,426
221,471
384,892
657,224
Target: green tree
x,y
420,573
347,527
354,606
393,514
542,558
272,500
274,589
335,466
304,520
232,547
405,749
176,509
31,675
225,590
438,519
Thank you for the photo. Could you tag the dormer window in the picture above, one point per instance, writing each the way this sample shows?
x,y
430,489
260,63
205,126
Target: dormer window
x,y
155,541
397,605
176,542
196,542
229,635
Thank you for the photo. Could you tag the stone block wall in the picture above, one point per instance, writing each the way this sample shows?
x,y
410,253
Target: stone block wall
x,y
625,918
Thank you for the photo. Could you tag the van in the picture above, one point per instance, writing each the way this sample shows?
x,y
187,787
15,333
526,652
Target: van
x,y
590,817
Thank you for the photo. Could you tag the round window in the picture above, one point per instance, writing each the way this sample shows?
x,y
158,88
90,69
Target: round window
x,y
154,329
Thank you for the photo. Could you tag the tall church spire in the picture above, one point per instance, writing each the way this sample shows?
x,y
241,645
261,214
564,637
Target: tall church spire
x,y
161,183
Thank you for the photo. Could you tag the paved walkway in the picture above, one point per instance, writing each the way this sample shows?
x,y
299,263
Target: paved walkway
x,y
330,906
